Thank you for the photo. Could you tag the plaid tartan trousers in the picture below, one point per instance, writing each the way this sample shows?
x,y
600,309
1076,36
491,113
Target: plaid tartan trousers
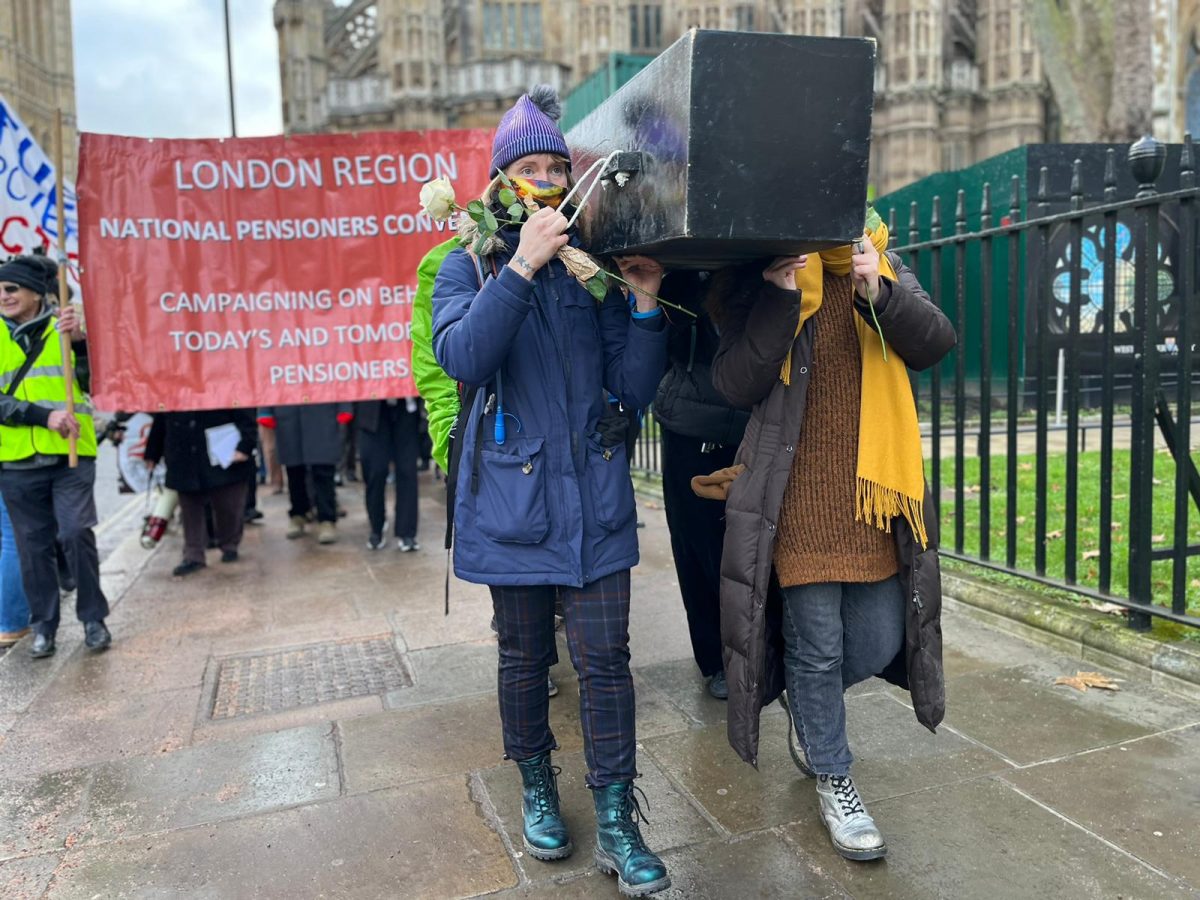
x,y
597,624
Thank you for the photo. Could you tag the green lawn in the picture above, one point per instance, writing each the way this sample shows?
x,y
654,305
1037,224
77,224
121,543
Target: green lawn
x,y
1088,569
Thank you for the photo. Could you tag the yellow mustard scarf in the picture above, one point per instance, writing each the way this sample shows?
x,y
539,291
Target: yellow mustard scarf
x,y
891,472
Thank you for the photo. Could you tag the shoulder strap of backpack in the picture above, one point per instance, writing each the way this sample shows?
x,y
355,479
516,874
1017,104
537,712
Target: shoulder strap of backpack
x,y
35,350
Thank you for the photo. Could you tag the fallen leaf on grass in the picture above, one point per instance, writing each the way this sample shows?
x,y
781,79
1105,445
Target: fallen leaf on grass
x,y
1053,535
1156,481
1195,582
1120,496
1020,520
971,489
1081,681
1158,539
1117,526
1091,554
1025,467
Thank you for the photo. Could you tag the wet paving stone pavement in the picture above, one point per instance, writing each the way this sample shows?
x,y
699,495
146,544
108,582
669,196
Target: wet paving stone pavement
x,y
359,752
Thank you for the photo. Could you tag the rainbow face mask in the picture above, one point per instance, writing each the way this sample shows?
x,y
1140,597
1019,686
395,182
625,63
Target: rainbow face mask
x,y
543,193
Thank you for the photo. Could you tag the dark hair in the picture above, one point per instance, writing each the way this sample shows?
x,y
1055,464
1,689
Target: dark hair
x,y
728,285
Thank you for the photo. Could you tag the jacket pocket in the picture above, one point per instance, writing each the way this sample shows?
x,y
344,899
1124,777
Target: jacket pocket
x,y
612,489
579,307
511,503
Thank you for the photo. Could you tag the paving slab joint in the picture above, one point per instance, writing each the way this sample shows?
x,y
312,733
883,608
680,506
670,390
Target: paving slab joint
x,y
335,735
478,792
1093,631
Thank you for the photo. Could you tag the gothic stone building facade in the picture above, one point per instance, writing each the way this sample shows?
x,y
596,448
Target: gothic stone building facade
x,y
958,80
37,70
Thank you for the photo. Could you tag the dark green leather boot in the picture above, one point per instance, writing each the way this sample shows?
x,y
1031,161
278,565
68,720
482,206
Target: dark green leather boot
x,y
620,849
544,833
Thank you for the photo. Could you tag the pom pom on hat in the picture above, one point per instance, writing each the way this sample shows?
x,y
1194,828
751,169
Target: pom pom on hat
x,y
530,127
546,99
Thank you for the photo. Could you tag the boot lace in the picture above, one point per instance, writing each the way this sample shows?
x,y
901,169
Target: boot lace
x,y
630,813
545,790
846,794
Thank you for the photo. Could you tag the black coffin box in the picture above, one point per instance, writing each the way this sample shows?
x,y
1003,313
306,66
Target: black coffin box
x,y
749,145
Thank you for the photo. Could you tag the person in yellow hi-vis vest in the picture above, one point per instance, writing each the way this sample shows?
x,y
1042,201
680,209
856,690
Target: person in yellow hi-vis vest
x,y
46,498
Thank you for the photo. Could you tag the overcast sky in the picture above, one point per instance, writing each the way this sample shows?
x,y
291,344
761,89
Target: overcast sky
x,y
157,68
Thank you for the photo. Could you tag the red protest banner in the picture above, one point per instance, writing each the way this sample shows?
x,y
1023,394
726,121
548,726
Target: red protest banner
x,y
259,271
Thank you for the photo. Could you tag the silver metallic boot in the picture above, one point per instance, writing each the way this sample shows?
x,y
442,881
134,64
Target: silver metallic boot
x,y
851,827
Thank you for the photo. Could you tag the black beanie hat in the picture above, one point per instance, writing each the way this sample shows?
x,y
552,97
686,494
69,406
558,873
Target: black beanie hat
x,y
27,271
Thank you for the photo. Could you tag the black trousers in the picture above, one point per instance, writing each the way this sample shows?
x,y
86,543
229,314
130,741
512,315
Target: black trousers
x,y
323,488
395,442
229,517
251,498
697,529
45,503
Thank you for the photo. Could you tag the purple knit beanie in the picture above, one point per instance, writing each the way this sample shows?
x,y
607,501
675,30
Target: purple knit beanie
x,y
530,127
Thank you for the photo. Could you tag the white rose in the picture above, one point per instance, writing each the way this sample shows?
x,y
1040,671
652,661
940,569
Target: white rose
x,y
437,198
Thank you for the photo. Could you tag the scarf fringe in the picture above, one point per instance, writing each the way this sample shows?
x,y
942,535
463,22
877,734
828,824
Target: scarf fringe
x,y
878,505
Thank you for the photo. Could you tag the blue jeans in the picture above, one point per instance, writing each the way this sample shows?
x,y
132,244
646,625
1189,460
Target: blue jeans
x,y
14,607
835,635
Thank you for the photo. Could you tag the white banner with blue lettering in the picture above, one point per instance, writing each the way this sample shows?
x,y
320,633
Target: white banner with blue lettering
x,y
28,197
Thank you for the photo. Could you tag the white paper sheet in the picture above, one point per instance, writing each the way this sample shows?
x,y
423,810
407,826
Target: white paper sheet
x,y
222,443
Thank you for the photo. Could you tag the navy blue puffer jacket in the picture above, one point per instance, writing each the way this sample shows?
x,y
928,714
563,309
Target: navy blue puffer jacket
x,y
552,504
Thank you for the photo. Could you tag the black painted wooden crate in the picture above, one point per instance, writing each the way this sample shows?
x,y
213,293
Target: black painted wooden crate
x,y
751,144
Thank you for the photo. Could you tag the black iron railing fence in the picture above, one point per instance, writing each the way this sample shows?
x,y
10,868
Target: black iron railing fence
x,y
1091,296
1105,265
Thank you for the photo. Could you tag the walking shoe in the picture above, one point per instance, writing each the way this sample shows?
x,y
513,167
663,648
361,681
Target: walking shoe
x,y
799,757
326,533
544,832
718,687
375,542
620,849
551,687
295,527
187,567
407,544
96,636
229,556
252,515
851,827
42,646
8,638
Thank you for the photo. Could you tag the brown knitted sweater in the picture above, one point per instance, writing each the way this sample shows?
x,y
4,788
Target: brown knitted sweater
x,y
818,538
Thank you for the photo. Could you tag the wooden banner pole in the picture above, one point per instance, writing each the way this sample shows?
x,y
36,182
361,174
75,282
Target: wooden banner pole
x,y
64,338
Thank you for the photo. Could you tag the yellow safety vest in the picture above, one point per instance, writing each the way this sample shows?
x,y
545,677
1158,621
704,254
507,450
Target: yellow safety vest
x,y
43,384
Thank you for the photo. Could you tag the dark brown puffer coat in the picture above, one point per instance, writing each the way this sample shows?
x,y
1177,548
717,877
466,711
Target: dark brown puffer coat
x,y
758,322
